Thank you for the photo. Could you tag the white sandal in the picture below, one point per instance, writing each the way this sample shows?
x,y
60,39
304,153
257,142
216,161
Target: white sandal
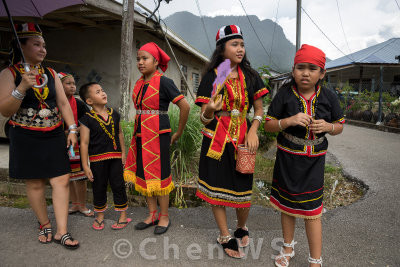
x,y
282,255
317,261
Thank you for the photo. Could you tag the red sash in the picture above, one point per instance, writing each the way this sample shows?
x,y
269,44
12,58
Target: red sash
x,y
74,107
149,136
226,123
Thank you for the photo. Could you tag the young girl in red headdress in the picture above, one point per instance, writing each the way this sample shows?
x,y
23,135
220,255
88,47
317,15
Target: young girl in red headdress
x,y
302,112
148,163
77,188
226,125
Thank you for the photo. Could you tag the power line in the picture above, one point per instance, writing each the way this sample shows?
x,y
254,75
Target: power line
x,y
341,24
273,33
325,34
204,25
397,4
251,24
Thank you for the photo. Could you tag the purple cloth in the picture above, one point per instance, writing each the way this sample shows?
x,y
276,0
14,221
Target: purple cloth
x,y
35,8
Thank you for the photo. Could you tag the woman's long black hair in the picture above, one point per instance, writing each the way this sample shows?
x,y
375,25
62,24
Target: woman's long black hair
x,y
15,54
217,58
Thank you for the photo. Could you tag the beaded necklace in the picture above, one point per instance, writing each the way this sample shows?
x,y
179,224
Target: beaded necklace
x,y
314,103
110,135
237,100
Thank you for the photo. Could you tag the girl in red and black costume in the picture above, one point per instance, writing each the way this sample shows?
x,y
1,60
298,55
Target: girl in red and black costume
x,y
303,112
219,183
38,147
78,178
148,163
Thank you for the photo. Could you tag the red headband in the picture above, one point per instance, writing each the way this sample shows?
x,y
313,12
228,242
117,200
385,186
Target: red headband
x,y
310,54
158,54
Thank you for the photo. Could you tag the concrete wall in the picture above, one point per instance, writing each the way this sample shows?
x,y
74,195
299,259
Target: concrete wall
x,y
94,55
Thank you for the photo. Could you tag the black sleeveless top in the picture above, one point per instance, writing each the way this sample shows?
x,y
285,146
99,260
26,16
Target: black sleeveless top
x,y
28,115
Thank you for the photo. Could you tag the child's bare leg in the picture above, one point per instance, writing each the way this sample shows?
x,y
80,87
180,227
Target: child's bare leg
x,y
220,218
314,236
73,197
242,215
164,205
35,190
81,192
288,223
152,205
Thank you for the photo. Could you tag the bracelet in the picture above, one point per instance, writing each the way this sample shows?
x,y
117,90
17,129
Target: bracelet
x,y
204,118
15,93
280,126
259,118
74,132
72,127
333,129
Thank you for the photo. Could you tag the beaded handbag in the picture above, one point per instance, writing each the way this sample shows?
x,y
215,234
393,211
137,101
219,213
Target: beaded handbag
x,y
246,160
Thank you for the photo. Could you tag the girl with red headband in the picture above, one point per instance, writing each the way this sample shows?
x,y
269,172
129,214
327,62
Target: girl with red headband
x,y
302,112
148,163
219,183
77,185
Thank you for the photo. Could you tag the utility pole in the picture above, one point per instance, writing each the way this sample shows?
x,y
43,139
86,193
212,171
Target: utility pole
x,y
298,25
125,67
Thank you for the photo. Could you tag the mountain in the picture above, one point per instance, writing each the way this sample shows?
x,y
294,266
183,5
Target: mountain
x,y
190,28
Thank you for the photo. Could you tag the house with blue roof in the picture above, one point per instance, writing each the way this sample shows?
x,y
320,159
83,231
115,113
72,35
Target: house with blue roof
x,y
370,69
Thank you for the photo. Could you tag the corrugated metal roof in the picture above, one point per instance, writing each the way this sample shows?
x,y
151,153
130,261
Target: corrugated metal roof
x,y
380,53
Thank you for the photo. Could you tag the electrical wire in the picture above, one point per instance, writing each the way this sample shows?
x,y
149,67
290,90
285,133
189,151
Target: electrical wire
x,y
204,26
325,35
397,3
344,34
273,33
251,24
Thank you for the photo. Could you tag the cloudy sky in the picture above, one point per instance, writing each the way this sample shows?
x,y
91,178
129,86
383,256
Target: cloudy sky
x,y
365,22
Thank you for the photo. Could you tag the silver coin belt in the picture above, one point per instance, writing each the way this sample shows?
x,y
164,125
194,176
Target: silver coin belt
x,y
301,141
151,112
30,117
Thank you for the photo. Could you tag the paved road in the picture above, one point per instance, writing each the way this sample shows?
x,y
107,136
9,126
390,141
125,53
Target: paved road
x,y
362,234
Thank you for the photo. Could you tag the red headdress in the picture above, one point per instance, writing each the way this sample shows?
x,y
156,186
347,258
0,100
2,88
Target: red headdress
x,y
158,54
310,54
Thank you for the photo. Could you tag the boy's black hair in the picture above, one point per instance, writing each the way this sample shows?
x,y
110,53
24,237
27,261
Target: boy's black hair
x,y
84,90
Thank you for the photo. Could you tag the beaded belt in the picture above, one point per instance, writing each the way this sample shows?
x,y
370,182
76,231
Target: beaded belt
x,y
34,118
151,112
301,141
224,113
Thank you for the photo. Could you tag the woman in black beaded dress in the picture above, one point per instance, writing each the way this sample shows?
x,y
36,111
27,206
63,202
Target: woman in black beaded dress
x,y
38,147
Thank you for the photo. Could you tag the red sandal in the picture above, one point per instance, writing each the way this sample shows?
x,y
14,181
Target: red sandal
x,y
121,225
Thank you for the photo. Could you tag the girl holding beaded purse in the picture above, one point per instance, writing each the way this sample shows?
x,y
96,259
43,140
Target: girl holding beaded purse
x,y
226,126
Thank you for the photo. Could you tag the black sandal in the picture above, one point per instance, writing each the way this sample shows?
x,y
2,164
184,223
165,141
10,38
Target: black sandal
x,y
64,239
45,232
240,233
232,245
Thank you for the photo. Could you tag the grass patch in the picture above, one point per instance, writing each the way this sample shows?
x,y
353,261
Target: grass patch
x,y
338,191
19,202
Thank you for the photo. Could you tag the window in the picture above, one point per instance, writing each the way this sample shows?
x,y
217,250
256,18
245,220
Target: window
x,y
195,79
183,84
